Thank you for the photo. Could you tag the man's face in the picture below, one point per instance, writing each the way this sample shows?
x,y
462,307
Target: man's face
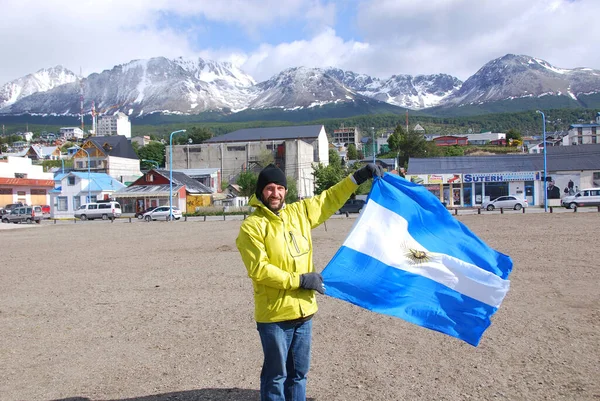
x,y
274,196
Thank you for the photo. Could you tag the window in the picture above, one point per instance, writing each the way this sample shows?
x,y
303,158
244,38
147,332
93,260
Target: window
x,y
104,206
76,202
71,180
79,164
20,175
5,191
149,178
62,205
92,207
38,191
236,148
580,140
594,139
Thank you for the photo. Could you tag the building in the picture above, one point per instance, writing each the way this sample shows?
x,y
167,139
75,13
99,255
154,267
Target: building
x,y
77,188
37,152
471,180
21,181
583,134
346,136
141,140
71,133
117,124
154,188
294,149
112,155
209,177
450,140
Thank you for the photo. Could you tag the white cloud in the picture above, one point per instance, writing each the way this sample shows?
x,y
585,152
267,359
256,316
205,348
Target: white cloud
x,y
388,36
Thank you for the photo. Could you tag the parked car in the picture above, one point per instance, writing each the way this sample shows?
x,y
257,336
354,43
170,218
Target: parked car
x,y
99,210
45,211
585,197
24,214
162,213
11,206
506,202
140,215
352,206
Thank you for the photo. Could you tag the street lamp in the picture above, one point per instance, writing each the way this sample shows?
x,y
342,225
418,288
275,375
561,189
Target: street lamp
x,y
171,172
374,146
545,168
155,163
89,179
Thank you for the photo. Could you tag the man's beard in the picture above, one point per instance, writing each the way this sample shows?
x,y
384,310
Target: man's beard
x,y
278,204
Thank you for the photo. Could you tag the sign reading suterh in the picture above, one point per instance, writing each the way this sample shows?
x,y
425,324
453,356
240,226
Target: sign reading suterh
x,y
500,177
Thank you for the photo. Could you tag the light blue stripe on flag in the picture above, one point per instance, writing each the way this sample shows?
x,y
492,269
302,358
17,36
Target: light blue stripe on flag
x,y
406,256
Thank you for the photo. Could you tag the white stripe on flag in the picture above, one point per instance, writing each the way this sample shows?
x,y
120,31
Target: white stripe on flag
x,y
383,235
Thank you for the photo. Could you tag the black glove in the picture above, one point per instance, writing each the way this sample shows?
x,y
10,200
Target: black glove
x,y
369,171
312,281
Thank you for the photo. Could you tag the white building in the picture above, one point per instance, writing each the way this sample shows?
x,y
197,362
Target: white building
x,y
71,132
76,188
21,181
294,149
117,124
583,134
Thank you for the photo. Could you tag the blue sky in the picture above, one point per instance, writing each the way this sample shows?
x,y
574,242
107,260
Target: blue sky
x,y
262,37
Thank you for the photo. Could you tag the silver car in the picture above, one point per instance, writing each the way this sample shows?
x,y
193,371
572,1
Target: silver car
x,y
162,213
506,202
585,197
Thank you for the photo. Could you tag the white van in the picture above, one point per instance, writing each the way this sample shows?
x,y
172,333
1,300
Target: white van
x,y
99,210
585,197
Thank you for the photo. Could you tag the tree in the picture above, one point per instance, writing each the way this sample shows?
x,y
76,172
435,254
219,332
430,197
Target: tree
x,y
513,134
395,138
197,135
153,151
292,190
328,176
352,152
247,181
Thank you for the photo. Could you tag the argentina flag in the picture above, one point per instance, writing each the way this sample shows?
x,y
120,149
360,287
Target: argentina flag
x,y
408,257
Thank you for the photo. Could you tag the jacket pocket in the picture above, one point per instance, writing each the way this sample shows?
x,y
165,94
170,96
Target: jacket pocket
x,y
297,244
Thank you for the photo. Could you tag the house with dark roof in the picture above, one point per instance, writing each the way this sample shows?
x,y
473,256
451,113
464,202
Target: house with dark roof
x,y
154,188
295,149
473,179
112,155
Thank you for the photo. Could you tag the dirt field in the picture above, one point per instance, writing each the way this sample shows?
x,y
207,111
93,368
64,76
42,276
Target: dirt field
x,y
164,311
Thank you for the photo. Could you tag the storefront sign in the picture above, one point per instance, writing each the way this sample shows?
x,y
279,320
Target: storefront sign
x,y
499,177
425,179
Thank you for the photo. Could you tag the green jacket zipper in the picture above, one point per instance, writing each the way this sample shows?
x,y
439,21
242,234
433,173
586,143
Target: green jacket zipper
x,y
294,241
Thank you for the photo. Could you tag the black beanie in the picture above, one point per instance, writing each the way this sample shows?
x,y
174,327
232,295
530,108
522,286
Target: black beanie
x,y
268,175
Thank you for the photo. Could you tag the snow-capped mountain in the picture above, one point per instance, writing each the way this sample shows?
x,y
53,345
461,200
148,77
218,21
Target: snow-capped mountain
x,y
513,76
181,86
41,81
146,86
300,87
407,91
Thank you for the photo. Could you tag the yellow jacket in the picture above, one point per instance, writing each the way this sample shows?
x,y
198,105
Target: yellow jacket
x,y
277,249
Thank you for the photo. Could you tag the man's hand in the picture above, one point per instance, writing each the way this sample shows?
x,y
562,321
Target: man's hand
x,y
369,171
312,281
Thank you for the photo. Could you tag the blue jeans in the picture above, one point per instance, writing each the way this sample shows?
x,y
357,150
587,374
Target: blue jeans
x,y
286,347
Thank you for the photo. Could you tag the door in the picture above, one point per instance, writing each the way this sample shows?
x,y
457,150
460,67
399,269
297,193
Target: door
x,y
468,195
529,193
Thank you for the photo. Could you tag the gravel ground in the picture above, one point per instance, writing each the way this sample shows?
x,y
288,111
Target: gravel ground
x,y
164,311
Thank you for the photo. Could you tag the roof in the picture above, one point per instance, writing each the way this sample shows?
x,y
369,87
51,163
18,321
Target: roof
x,y
28,182
197,172
559,158
119,146
99,181
146,190
191,185
268,134
584,125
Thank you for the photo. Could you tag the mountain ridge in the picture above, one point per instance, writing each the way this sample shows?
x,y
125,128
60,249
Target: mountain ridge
x,y
193,86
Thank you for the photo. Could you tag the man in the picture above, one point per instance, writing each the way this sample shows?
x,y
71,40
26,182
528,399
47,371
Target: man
x,y
276,247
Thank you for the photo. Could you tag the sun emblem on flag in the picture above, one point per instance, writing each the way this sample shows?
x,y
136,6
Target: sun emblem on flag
x,y
417,257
